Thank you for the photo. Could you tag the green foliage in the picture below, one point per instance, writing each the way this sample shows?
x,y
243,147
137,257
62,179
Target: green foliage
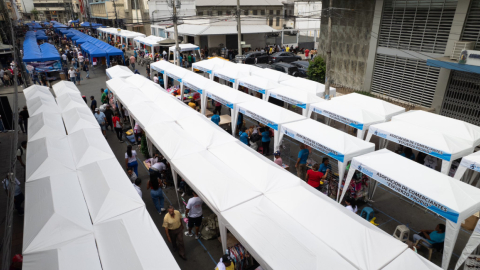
x,y
144,147
35,13
316,70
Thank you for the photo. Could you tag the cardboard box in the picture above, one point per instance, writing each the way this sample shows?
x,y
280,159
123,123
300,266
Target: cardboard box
x,y
471,222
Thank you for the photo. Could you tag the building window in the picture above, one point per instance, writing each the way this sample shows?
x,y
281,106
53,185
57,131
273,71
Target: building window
x,y
245,12
255,12
271,12
262,12
277,23
200,13
210,13
220,13
278,12
229,13
270,21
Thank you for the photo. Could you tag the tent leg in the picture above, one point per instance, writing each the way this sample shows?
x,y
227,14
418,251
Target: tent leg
x,y
182,89
341,172
446,166
348,179
175,183
451,234
459,173
472,244
223,235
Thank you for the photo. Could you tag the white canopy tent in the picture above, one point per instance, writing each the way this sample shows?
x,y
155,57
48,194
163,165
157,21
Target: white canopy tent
x,y
309,86
471,162
425,140
258,84
68,101
107,190
177,73
357,111
294,96
210,135
132,241
45,125
48,157
118,71
150,41
471,245
232,73
330,141
79,118
150,89
88,146
227,96
209,65
161,66
148,113
441,194
41,104
197,83
77,254
175,108
268,114
125,92
186,47
35,91
65,87
55,212
273,75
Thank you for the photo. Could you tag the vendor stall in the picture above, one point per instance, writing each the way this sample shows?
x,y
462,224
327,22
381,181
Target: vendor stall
x,y
471,162
356,110
184,48
151,42
258,84
294,96
162,66
268,114
209,65
309,86
232,73
443,195
118,72
197,83
332,142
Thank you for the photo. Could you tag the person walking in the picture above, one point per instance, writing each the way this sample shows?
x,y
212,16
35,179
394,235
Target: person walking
x,y
156,193
109,115
18,197
173,225
301,163
24,118
64,59
100,116
131,159
136,185
71,74
93,105
225,263
194,214
117,125
86,69
131,175
103,96
132,61
265,140
78,76
35,77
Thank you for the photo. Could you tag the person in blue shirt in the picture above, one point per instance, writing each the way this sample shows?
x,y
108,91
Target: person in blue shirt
x,y
301,164
239,122
325,165
265,139
244,136
407,152
431,236
216,119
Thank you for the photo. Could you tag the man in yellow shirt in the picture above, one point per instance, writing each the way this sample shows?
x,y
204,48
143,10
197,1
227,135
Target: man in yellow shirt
x,y
173,225
287,49
225,263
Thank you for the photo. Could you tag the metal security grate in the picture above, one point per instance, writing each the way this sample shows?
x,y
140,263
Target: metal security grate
x,y
462,97
471,31
409,80
417,25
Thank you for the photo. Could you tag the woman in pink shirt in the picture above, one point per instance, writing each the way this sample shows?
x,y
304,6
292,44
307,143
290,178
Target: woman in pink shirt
x,y
278,159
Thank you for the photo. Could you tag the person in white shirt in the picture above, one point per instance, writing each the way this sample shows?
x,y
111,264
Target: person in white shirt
x,y
131,159
131,175
194,214
155,78
71,74
80,59
64,58
18,197
351,205
136,185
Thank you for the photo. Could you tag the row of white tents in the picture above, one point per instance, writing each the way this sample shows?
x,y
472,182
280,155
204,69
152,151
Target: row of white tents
x,y
255,199
81,210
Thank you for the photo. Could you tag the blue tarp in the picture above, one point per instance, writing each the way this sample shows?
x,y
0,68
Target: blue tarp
x,y
94,25
49,52
41,35
34,53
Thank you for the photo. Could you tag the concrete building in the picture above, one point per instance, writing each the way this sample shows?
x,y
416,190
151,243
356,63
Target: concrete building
x,y
59,10
271,10
137,16
159,11
107,12
303,15
24,7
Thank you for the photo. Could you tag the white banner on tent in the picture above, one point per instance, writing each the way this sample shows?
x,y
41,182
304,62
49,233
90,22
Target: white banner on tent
x,y
202,69
339,118
407,192
259,118
412,144
221,100
289,100
470,164
176,78
193,87
252,87
315,145
224,77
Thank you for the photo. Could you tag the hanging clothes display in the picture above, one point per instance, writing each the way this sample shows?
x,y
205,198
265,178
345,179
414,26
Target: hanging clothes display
x,y
240,257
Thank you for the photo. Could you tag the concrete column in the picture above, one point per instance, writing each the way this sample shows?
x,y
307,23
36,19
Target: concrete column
x,y
372,51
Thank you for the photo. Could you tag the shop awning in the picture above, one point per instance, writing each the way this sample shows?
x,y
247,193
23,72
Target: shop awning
x,y
207,29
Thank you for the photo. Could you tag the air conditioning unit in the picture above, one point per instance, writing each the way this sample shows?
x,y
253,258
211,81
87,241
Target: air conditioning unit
x,y
459,46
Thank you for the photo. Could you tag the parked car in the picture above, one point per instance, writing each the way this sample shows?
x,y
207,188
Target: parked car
x,y
286,68
263,66
286,57
250,58
302,67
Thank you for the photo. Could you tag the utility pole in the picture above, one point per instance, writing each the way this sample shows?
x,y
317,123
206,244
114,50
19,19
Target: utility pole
x,y
239,29
328,64
115,10
175,29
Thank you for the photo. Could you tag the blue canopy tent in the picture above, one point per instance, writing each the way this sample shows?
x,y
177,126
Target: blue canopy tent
x,y
44,57
31,50
70,34
40,34
49,52
93,51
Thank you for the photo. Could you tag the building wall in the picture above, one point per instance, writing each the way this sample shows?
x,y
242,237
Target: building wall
x,y
255,40
351,32
273,14
307,8
215,41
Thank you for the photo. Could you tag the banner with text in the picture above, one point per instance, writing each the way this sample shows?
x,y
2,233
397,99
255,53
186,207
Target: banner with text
x,y
202,69
472,165
289,100
252,87
259,118
339,118
221,100
412,144
192,87
314,144
405,191
228,79
174,77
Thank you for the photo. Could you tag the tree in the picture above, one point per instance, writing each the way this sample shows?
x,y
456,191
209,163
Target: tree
x,y
316,70
34,12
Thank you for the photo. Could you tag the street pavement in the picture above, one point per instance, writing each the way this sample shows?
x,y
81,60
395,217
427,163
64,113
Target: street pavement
x,y
391,209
